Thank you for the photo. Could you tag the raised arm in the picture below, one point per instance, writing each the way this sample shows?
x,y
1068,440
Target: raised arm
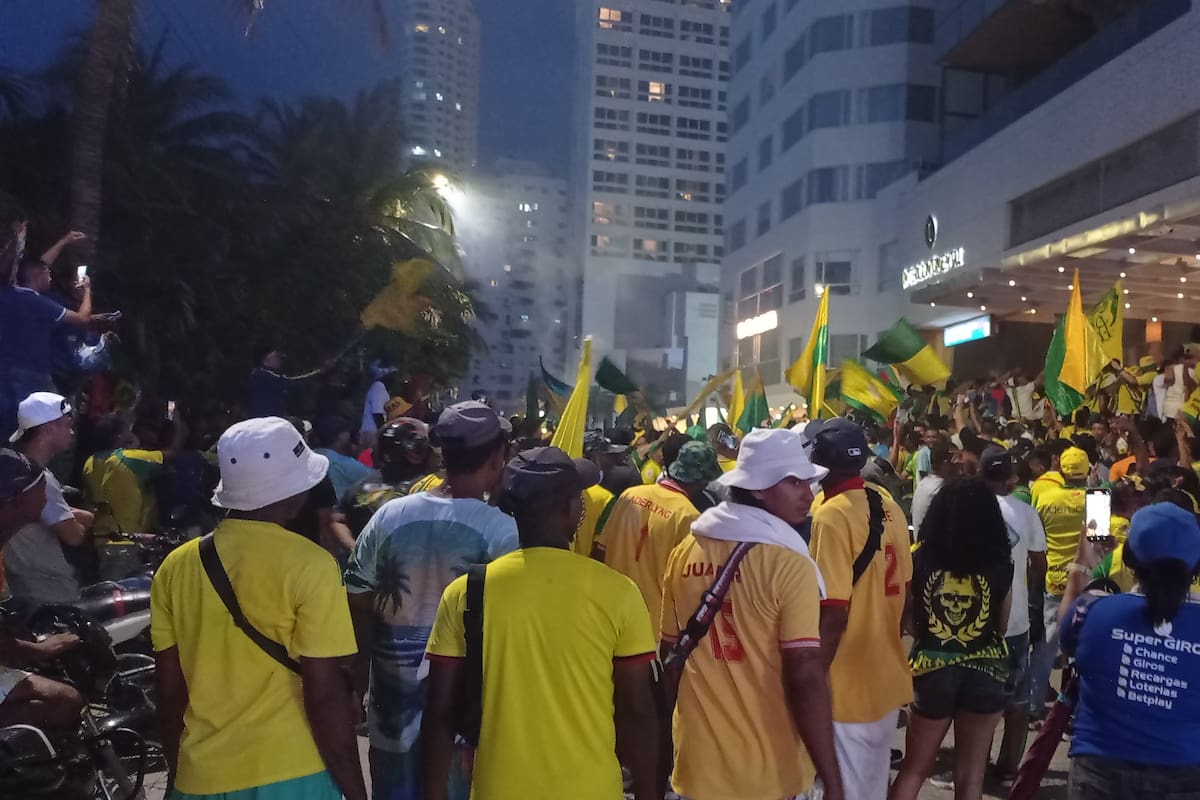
x,y
51,255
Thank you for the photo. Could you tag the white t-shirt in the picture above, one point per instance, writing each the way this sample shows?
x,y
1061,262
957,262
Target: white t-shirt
x,y
1173,395
1022,401
927,487
1026,534
377,397
34,564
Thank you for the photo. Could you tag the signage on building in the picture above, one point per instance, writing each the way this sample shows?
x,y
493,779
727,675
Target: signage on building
x,y
970,331
932,267
756,325
931,231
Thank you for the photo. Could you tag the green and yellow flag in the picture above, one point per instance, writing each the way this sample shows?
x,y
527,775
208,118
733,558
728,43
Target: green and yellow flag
x,y
569,434
867,393
737,400
902,346
1075,357
1108,318
807,375
755,409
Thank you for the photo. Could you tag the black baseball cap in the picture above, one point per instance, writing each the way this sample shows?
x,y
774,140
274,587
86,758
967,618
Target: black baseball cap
x,y
546,471
17,474
996,464
597,442
838,444
470,424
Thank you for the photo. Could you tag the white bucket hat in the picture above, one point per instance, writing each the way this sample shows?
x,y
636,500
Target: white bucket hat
x,y
767,456
263,461
40,408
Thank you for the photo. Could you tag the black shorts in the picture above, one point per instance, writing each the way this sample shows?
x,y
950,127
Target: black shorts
x,y
941,693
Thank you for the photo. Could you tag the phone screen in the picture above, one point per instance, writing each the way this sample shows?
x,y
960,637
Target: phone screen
x,y
171,409
1098,511
81,271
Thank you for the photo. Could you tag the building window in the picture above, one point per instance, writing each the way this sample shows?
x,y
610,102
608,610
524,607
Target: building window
x,y
764,219
695,67
649,186
612,19
741,54
870,178
834,271
899,24
651,249
829,34
688,128
846,346
657,124
655,61
691,222
694,97
652,218
791,201
651,25
829,110
768,22
794,58
921,105
606,214
797,290
793,129
609,150
828,185
897,102
890,267
741,114
693,191
618,88
699,32
737,236
766,87
616,182
612,55
766,152
654,92
694,160
689,253
610,119
653,155
738,176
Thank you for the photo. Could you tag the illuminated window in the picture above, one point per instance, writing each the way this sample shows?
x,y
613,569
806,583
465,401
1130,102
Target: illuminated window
x,y
421,27
442,29
612,19
439,97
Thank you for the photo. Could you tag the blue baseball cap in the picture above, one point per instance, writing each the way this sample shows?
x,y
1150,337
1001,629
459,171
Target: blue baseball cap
x,y
1164,530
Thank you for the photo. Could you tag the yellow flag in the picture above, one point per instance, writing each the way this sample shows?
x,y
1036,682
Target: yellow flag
x,y
569,434
1108,318
1084,357
737,400
620,404
807,375
398,306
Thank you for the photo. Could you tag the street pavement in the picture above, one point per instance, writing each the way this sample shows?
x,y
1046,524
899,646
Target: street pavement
x,y
1054,787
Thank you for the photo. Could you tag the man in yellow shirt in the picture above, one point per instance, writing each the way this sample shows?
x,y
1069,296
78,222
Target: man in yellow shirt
x,y
1061,510
647,522
238,721
753,719
567,657
861,544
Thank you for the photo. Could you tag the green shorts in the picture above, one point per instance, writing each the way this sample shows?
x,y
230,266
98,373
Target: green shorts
x,y
311,787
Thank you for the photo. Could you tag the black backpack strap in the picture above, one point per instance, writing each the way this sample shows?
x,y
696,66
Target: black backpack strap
x,y
220,582
469,702
874,534
710,605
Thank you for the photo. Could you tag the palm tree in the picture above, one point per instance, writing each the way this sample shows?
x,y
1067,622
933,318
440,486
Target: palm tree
x,y
111,42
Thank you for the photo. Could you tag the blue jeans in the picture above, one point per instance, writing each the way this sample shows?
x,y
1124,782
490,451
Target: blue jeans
x,y
15,385
1041,662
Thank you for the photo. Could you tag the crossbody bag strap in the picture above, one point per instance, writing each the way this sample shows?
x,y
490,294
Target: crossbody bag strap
x,y
710,605
220,582
874,534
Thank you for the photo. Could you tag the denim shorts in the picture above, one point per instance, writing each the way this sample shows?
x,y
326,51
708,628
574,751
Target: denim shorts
x,y
943,692
1100,778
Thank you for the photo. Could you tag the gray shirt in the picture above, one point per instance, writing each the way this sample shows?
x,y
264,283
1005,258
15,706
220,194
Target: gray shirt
x,y
927,487
34,564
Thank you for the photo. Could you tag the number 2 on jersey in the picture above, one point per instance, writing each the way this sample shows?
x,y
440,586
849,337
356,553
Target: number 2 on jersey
x,y
891,586
725,643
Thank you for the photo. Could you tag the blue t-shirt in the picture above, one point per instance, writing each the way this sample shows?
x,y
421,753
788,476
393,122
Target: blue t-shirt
x,y
1138,690
27,320
407,555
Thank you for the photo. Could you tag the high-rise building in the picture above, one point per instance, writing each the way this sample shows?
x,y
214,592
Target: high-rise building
x,y
512,224
830,102
648,179
439,69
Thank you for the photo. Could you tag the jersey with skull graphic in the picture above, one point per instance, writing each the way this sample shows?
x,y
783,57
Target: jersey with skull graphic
x,y
958,619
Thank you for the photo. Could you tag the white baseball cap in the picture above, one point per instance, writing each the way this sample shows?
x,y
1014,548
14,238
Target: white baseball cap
x,y
39,408
263,461
769,455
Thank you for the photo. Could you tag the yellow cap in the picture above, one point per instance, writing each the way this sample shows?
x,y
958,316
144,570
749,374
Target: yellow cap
x,y
1074,463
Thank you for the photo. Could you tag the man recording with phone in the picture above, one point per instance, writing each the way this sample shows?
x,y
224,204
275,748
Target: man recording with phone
x,y
27,323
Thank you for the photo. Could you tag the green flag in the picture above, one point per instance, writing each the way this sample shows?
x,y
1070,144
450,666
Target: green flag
x,y
558,387
902,346
1064,398
610,377
865,392
756,409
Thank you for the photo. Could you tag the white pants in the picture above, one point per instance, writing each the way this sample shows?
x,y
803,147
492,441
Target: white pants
x,y
864,751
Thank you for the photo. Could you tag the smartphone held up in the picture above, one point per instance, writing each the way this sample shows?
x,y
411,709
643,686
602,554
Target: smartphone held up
x,y
1098,515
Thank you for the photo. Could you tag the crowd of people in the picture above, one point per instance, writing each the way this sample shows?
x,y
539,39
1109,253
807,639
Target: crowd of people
x,y
708,612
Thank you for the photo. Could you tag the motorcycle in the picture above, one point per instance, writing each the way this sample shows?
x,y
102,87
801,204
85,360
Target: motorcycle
x,y
109,755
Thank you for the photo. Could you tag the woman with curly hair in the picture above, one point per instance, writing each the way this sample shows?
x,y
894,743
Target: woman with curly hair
x,y
962,578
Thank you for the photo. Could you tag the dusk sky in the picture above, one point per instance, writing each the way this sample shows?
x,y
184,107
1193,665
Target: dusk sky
x,y
302,47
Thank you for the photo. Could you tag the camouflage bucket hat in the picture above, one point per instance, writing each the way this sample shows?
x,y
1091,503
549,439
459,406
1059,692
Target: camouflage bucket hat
x,y
696,463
